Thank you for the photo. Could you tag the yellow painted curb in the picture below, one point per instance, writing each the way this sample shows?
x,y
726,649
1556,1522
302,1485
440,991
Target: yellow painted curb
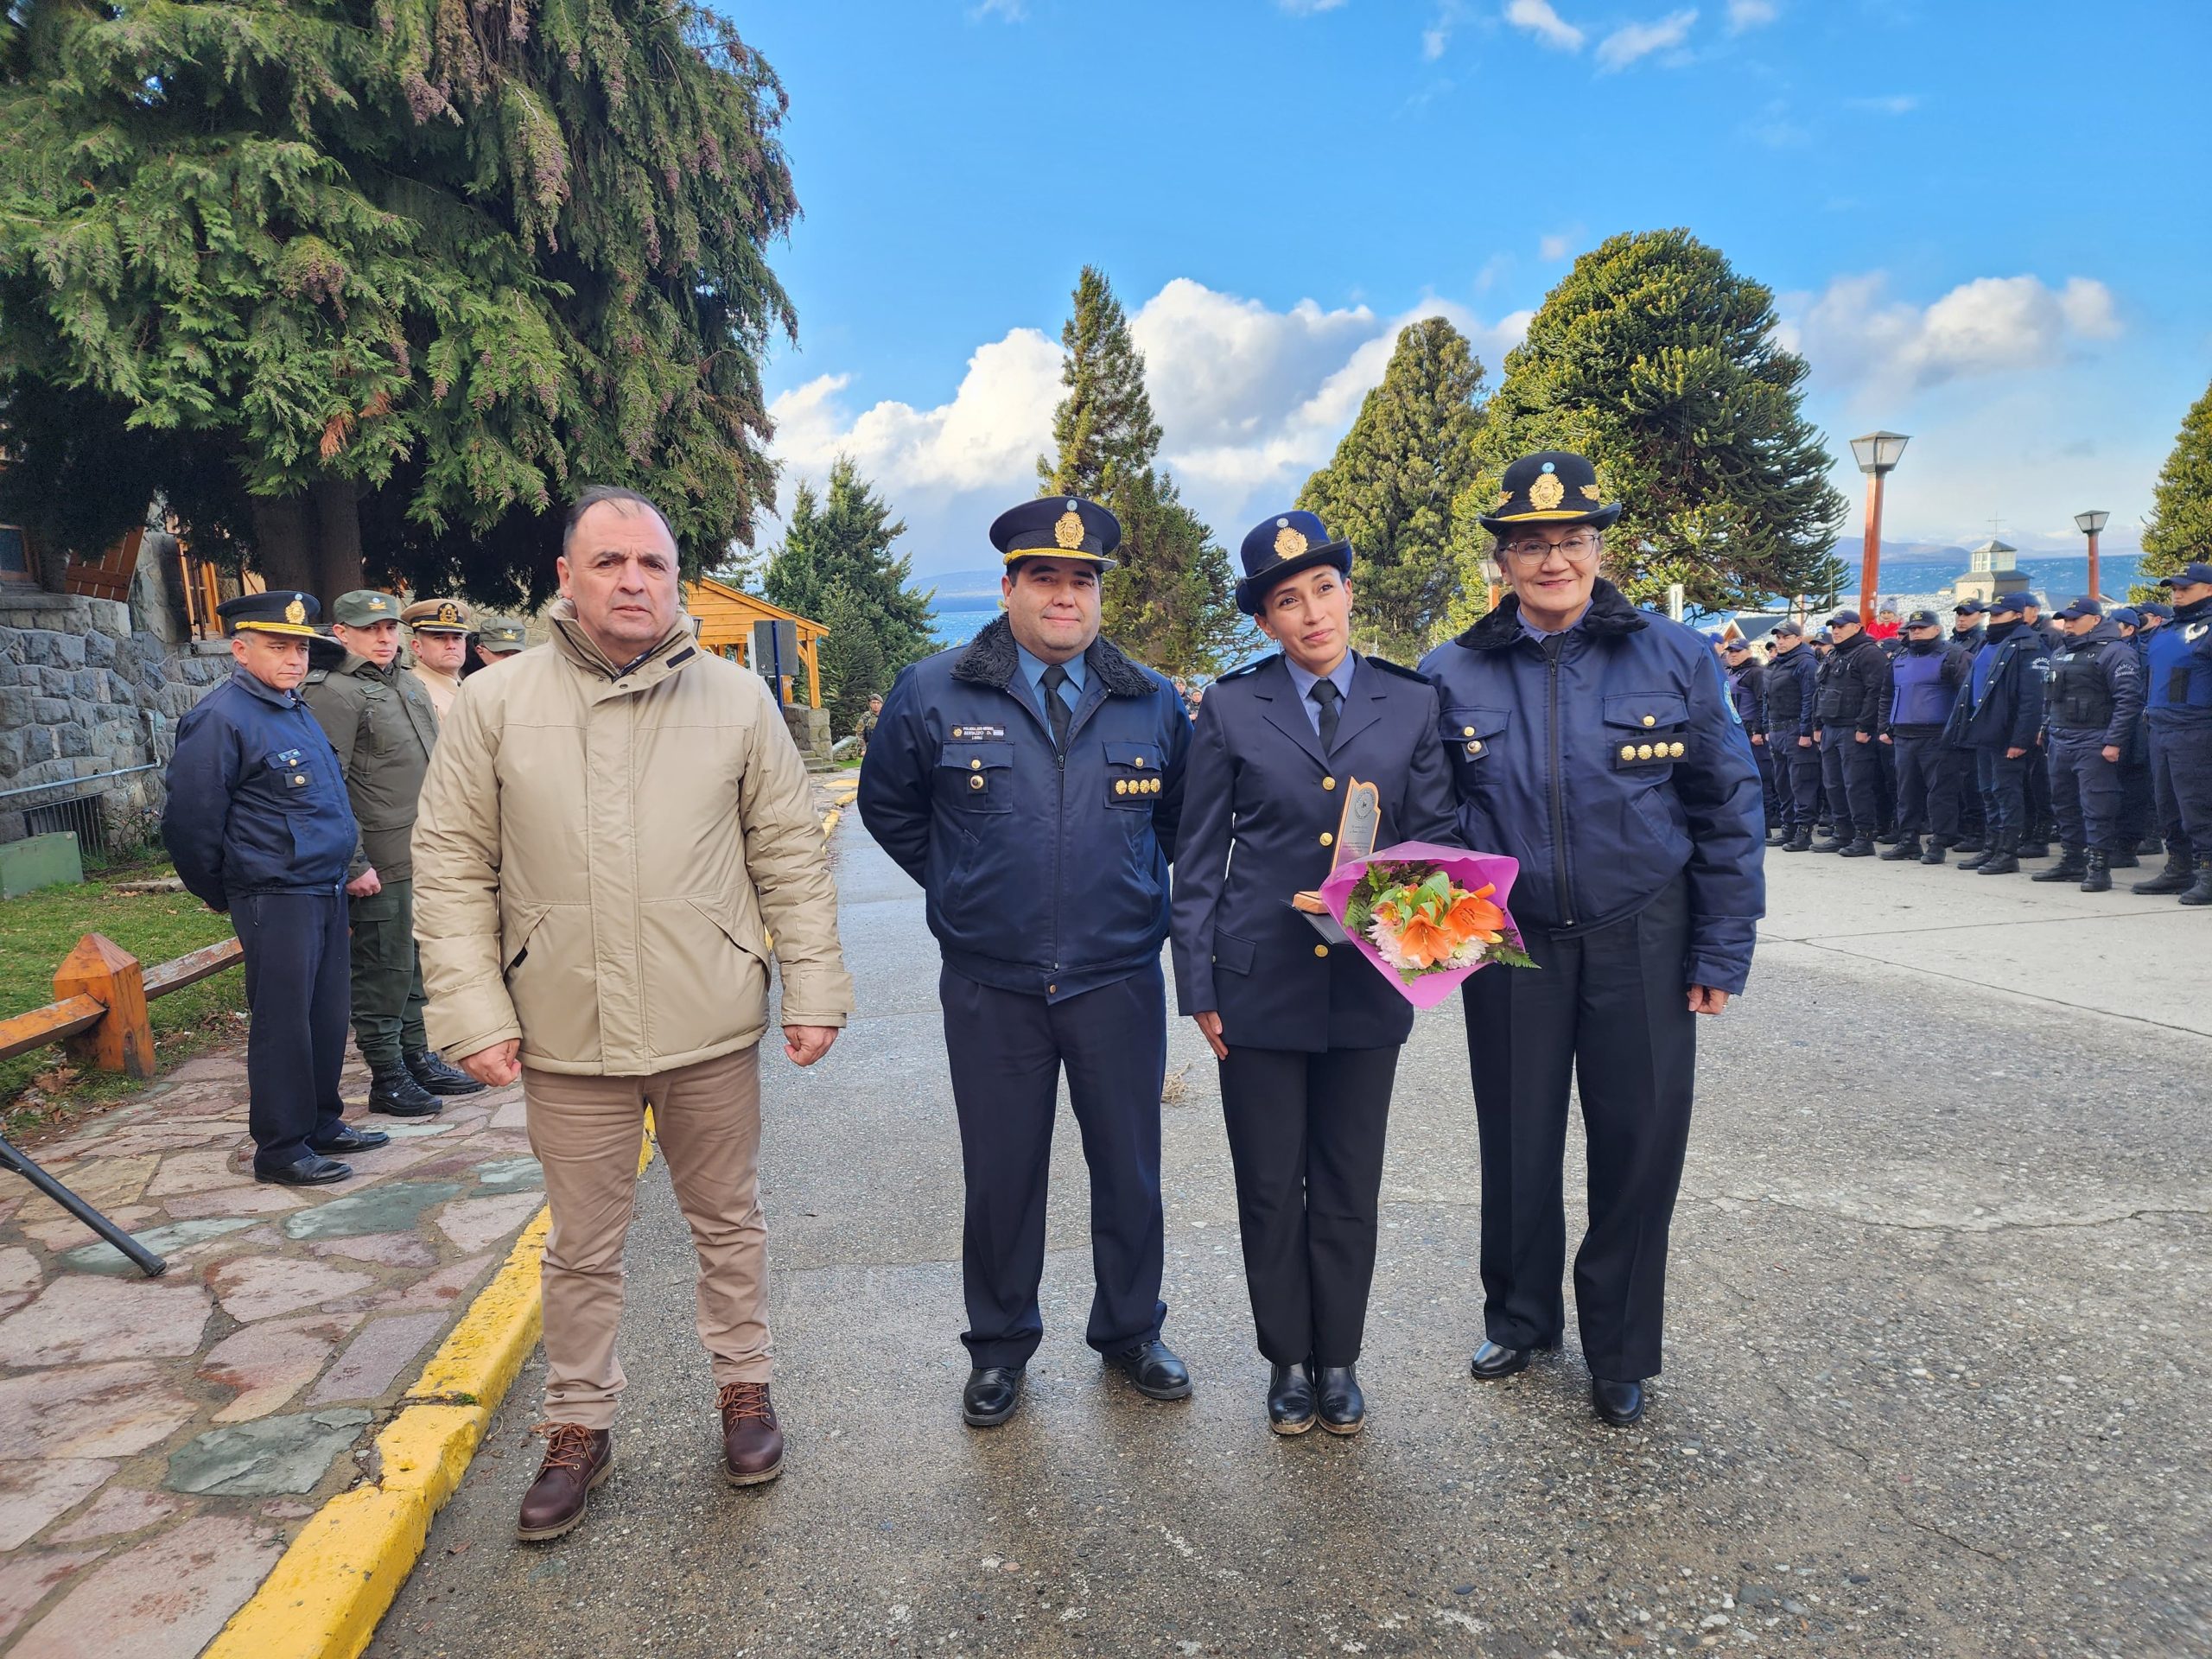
x,y
328,1591
829,820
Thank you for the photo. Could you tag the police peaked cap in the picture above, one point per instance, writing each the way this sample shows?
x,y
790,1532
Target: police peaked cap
x,y
284,612
2196,571
1553,486
1058,527
1282,546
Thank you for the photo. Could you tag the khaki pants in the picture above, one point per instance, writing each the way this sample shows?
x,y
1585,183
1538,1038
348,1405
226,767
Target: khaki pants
x,y
584,1130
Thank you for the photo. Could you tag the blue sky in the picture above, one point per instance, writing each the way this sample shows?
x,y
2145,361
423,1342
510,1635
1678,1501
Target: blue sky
x,y
1985,224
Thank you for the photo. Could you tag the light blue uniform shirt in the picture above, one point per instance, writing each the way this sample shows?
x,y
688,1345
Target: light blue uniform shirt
x,y
1339,676
1032,670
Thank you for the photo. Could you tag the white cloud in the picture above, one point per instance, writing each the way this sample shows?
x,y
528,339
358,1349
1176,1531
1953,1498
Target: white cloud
x,y
1891,104
1011,11
1853,332
1557,244
1250,400
1538,18
1750,14
1631,41
1307,8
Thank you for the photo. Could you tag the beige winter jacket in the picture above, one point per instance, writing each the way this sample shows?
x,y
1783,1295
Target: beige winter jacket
x,y
600,854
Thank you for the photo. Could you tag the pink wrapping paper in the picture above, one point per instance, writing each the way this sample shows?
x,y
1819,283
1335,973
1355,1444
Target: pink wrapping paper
x,y
1472,871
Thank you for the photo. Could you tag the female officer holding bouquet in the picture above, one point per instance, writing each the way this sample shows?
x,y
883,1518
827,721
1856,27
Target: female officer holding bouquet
x,y
1308,1033
1595,743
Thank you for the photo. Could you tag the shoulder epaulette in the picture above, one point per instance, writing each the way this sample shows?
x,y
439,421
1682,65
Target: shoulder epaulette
x,y
1252,667
1402,672
316,677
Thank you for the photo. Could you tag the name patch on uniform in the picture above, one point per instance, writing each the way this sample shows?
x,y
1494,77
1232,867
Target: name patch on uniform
x,y
978,733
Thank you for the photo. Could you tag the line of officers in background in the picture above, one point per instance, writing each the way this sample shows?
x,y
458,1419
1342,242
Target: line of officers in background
x,y
1996,738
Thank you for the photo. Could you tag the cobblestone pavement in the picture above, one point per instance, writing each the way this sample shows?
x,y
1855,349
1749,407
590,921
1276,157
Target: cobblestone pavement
x,y
1935,1385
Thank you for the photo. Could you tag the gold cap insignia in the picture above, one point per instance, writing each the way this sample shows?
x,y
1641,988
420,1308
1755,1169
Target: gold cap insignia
x,y
1289,543
1547,492
377,604
448,612
296,613
1067,529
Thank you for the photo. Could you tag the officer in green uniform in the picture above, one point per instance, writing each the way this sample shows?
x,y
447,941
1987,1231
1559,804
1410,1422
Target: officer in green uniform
x,y
380,721
496,638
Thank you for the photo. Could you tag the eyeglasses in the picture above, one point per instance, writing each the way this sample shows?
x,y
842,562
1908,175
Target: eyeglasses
x,y
1579,548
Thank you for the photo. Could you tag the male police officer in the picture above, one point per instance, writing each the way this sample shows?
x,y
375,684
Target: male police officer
x,y
1792,711
2135,798
379,720
1850,717
438,631
1967,631
1747,691
258,824
1924,681
2179,657
496,638
1999,713
2095,695
1032,782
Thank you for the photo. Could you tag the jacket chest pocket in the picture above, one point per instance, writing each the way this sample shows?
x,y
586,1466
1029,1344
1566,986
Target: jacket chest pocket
x,y
1133,775
380,718
1644,730
291,776
975,778
1472,737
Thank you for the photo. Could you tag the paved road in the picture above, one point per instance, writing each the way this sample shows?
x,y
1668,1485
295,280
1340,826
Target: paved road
x,y
1935,1384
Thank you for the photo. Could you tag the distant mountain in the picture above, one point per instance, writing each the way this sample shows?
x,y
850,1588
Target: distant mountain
x,y
961,590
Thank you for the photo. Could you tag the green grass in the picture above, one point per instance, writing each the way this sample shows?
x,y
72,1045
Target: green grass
x,y
39,929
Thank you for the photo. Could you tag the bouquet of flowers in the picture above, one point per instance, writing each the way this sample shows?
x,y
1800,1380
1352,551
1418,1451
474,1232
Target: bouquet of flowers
x,y
1427,917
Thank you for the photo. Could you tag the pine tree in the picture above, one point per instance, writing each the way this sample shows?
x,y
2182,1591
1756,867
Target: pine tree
x,y
839,546
1168,601
2181,504
1656,361
1395,488
853,667
410,272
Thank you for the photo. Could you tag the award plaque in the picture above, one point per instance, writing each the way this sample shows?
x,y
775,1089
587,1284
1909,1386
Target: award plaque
x,y
1355,839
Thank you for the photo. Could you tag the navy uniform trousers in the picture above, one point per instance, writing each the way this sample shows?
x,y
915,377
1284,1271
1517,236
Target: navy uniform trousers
x,y
1928,784
2003,782
1797,779
1853,772
299,987
1007,1050
1608,1013
2086,796
2181,773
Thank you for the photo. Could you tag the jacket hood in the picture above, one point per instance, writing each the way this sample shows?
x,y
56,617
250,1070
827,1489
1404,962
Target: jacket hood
x,y
1610,616
990,660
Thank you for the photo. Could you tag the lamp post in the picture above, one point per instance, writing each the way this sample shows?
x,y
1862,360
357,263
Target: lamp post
x,y
1876,454
1493,576
2089,524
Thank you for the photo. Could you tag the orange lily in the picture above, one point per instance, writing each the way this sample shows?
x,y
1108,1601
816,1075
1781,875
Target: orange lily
x,y
1423,943
1473,917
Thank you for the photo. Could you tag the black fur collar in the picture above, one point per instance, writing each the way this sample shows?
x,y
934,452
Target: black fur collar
x,y
991,659
1609,616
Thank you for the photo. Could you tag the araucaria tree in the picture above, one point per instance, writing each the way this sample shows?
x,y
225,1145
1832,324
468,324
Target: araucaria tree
x,y
404,273
1167,601
1657,360
1399,481
2181,506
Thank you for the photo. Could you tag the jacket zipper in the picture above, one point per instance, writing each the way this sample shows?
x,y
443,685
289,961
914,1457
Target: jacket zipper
x,y
1559,794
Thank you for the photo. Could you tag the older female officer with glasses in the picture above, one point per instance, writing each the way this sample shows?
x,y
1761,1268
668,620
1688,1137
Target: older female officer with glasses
x,y
1307,1034
1598,745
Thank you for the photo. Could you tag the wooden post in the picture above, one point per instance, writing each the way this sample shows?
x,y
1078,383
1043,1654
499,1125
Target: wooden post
x,y
123,1041
1869,557
810,653
2096,592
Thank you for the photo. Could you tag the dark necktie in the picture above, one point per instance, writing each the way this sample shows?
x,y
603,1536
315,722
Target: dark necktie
x,y
1324,695
1056,706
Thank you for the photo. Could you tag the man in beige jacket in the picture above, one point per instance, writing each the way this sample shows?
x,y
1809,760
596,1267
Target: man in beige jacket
x,y
612,829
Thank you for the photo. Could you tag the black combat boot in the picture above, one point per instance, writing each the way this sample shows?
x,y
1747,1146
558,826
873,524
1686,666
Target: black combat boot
x,y
1908,846
1834,844
1935,850
2070,866
2039,847
2174,878
2097,877
2150,846
429,1068
396,1094
1983,852
2200,891
2005,859
2123,861
1801,841
1971,844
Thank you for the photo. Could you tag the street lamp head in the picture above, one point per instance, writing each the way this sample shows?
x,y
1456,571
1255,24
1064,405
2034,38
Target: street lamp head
x,y
1877,452
2090,523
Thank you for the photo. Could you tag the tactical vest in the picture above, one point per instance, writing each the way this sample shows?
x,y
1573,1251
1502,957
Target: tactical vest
x,y
2080,695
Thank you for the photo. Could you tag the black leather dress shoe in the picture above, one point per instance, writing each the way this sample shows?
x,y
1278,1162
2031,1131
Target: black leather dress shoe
x,y
349,1139
1493,1360
1617,1403
396,1094
1154,1371
992,1393
428,1067
1343,1407
314,1170
1290,1399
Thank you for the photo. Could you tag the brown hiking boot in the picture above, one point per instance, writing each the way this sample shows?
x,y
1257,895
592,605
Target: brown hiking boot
x,y
577,1459
753,1444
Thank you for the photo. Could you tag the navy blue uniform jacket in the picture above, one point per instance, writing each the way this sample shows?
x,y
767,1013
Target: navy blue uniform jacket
x,y
1042,877
1792,695
1261,796
257,802
2178,660
1608,770
2009,713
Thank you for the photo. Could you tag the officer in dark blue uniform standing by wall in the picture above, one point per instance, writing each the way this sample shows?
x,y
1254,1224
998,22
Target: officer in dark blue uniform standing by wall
x,y
1031,781
1612,767
1999,713
1850,720
2092,703
1307,1034
2179,658
259,827
1792,712
1924,681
